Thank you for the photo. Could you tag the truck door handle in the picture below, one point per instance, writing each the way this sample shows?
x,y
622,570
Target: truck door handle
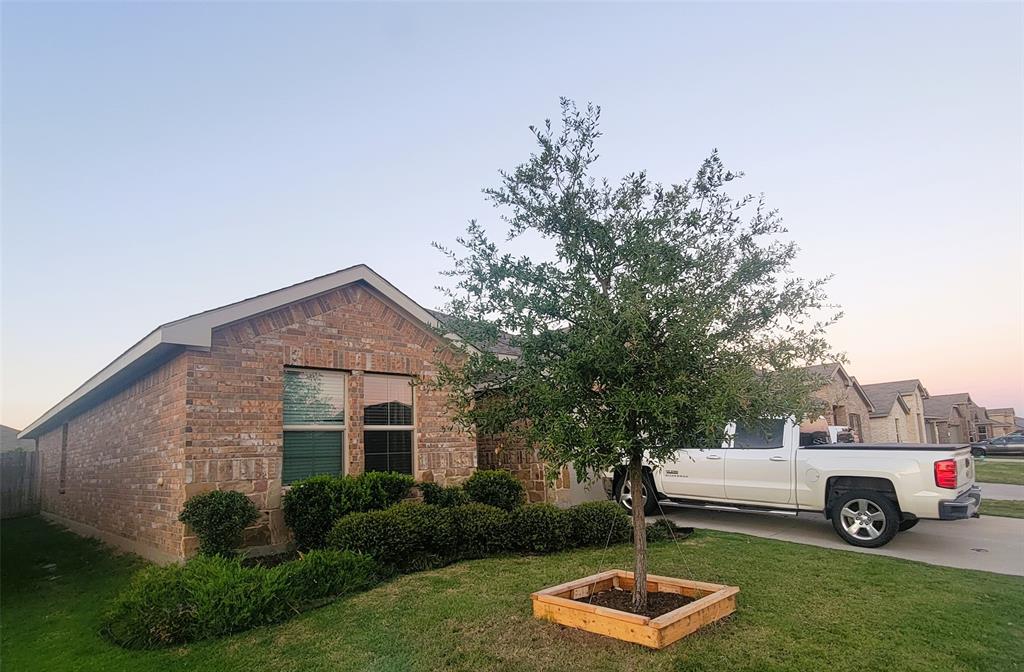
x,y
777,458
714,457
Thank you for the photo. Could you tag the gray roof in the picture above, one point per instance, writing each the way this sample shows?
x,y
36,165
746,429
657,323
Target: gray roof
x,y
884,395
503,346
941,405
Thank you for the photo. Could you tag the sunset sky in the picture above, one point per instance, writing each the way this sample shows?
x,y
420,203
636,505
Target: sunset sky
x,y
162,159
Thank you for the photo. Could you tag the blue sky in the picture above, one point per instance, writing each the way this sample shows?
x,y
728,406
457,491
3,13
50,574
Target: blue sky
x,y
160,159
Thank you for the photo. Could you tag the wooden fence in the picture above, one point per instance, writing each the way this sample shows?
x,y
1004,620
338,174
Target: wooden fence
x,y
19,483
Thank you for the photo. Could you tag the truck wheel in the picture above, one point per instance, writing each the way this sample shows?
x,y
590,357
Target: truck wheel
x,y
626,498
865,518
909,523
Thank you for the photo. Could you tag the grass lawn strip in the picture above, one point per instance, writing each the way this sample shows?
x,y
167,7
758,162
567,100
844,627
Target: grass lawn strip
x,y
1008,472
1007,508
799,610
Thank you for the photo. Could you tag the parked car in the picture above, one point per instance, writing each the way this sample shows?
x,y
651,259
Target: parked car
x,y
869,491
1011,444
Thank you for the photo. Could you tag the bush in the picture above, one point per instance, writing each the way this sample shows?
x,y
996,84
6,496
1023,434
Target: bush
x,y
447,496
481,530
661,530
313,505
218,518
215,596
407,537
539,528
496,488
383,489
598,524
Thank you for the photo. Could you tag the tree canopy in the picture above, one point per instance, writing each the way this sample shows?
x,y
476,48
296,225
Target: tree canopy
x,y
662,313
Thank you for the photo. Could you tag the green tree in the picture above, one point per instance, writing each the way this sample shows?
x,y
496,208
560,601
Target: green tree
x,y
661,313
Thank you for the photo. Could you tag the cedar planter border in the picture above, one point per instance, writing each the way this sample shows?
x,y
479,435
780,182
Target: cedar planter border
x,y
557,604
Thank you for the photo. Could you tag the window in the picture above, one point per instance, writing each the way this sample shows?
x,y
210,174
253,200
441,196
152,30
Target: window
x,y
857,427
767,434
387,423
982,432
62,479
314,423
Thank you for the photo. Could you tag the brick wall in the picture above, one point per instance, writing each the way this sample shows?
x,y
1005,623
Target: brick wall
x,y
844,400
235,391
123,465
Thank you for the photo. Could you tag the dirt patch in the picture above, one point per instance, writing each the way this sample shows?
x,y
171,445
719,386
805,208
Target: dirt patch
x,y
657,603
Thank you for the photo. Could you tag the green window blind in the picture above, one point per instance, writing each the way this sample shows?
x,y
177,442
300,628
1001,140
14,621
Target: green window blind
x,y
313,397
310,453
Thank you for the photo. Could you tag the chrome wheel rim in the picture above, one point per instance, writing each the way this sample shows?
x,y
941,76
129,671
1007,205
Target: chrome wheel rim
x,y
863,519
626,495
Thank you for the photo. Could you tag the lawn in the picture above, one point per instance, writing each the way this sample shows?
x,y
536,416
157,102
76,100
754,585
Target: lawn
x,y
1002,507
1005,471
801,608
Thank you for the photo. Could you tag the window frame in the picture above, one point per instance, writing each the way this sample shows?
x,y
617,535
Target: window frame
x,y
393,428
317,427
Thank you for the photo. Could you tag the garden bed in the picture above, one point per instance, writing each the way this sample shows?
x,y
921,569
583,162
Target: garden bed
x,y
570,604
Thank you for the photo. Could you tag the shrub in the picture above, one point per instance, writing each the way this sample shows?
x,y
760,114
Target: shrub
x,y
313,505
218,518
407,537
439,495
539,528
662,529
383,489
215,596
598,524
495,487
481,530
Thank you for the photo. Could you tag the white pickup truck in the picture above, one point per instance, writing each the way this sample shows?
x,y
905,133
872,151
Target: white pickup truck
x,y
869,491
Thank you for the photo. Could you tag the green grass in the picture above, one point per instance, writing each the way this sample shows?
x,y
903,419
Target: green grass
x,y
1002,507
801,608
1011,472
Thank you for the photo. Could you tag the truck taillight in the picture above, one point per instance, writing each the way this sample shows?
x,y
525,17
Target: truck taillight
x,y
945,474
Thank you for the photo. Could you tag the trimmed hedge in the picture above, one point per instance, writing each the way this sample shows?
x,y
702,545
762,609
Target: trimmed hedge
x,y
413,535
409,536
539,528
440,495
218,518
313,505
212,596
495,487
599,524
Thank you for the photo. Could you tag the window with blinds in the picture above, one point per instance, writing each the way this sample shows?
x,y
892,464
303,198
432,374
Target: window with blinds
x,y
388,423
314,423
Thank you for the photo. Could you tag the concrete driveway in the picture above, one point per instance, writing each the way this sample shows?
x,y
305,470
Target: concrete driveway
x,y
988,543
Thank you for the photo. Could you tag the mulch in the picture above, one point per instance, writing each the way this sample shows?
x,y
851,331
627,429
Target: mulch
x,y
622,600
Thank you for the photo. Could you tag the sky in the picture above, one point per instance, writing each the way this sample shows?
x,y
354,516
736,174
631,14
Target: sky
x,y
162,159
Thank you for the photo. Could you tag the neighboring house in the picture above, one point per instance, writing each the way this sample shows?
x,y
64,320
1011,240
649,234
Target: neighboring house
x,y
1004,421
899,414
955,418
846,404
9,440
313,378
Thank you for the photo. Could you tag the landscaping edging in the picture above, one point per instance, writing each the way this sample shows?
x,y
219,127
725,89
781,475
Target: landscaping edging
x,y
557,604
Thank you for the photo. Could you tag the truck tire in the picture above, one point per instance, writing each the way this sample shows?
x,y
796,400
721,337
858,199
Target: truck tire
x,y
865,518
625,498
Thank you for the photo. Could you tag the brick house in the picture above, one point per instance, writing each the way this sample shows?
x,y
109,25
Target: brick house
x,y
899,411
846,404
955,418
1004,421
316,377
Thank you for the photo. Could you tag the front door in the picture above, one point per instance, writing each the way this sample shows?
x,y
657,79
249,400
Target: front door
x,y
759,464
695,474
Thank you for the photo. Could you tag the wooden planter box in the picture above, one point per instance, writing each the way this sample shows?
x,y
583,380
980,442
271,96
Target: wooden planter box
x,y
712,602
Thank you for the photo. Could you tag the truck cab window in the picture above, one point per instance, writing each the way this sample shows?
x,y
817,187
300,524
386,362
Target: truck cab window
x,y
767,434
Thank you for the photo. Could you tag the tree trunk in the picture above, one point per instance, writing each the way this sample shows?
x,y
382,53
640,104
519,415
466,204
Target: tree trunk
x,y
636,487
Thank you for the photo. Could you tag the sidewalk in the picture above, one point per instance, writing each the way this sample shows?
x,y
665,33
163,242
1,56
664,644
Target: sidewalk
x,y
1001,491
